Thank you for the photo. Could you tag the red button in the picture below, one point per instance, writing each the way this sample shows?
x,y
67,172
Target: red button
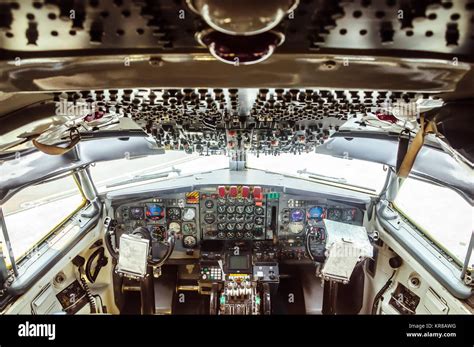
x,y
245,191
233,191
221,191
257,193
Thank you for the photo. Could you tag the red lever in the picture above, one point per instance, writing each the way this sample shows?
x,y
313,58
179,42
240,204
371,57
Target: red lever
x,y
233,191
221,191
245,191
257,193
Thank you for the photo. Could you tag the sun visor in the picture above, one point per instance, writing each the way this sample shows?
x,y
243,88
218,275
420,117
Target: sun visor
x,y
431,163
34,166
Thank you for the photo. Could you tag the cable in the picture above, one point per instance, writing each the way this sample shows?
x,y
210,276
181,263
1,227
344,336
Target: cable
x,y
101,262
89,295
103,307
381,292
170,241
79,261
109,233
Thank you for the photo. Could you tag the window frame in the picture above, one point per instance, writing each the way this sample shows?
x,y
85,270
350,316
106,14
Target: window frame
x,y
59,225
425,233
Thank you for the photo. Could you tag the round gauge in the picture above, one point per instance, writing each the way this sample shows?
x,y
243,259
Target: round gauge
x,y
231,201
240,209
220,202
317,235
248,226
230,235
221,226
174,227
209,218
248,209
258,231
221,217
136,213
230,209
259,220
316,213
231,217
335,214
221,209
240,201
158,233
189,241
174,213
239,218
230,226
221,235
209,203
189,213
239,226
154,211
249,218
248,235
297,215
239,234
348,215
285,216
259,210
296,228
189,229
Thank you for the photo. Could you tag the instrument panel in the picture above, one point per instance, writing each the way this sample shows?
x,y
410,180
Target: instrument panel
x,y
236,213
261,216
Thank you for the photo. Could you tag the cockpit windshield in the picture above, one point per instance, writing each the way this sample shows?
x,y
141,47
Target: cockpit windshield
x,y
351,172
358,174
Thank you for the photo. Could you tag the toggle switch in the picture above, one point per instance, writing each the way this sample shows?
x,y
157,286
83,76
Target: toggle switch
x,y
257,193
245,191
233,191
221,191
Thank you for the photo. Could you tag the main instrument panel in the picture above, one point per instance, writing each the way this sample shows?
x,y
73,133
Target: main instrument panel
x,y
233,213
273,222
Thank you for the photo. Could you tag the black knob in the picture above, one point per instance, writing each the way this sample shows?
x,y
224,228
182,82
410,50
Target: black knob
x,y
395,262
96,32
258,232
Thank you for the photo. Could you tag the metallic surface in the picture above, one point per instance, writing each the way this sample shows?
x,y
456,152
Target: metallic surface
x,y
245,17
413,26
198,70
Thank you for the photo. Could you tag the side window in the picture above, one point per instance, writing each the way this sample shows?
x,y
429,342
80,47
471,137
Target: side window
x,y
440,213
34,212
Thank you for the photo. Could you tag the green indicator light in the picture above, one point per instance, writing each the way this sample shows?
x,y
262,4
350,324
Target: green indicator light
x,y
222,300
273,195
257,300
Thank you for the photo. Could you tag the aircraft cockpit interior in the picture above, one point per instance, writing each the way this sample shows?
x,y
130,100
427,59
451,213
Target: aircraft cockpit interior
x,y
204,157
